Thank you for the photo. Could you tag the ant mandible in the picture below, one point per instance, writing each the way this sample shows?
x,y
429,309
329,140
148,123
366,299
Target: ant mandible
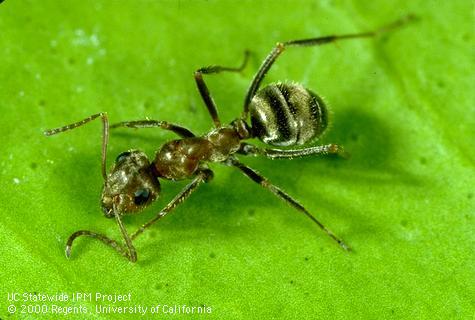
x,y
282,114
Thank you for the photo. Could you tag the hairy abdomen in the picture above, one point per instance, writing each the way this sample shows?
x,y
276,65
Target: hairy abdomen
x,y
286,114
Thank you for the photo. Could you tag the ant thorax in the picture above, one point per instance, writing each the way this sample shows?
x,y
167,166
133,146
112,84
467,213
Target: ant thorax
x,y
180,159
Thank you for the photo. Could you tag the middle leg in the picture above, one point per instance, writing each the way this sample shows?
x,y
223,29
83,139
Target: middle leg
x,y
179,130
205,94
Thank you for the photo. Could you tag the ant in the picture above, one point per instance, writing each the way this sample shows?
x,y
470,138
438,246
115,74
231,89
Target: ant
x,y
281,114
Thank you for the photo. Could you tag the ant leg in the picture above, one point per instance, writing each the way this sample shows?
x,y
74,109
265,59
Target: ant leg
x,y
205,95
258,178
128,252
205,175
249,149
106,240
131,254
179,130
105,134
281,46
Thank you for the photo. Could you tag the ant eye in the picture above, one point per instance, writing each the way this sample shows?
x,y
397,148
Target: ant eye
x,y
122,156
141,196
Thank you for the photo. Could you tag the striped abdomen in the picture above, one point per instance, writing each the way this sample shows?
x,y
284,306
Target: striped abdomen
x,y
285,114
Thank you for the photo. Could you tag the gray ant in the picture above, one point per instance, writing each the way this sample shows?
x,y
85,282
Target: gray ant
x,y
282,114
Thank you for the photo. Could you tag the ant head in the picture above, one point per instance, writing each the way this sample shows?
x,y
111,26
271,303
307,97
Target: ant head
x,y
131,184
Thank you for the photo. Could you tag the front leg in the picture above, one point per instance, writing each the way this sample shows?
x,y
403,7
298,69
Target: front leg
x,y
128,251
125,252
205,175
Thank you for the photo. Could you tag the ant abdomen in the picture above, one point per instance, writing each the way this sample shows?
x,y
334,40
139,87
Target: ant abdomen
x,y
286,114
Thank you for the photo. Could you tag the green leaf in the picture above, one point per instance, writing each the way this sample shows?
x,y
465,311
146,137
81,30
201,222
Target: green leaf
x,y
403,106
